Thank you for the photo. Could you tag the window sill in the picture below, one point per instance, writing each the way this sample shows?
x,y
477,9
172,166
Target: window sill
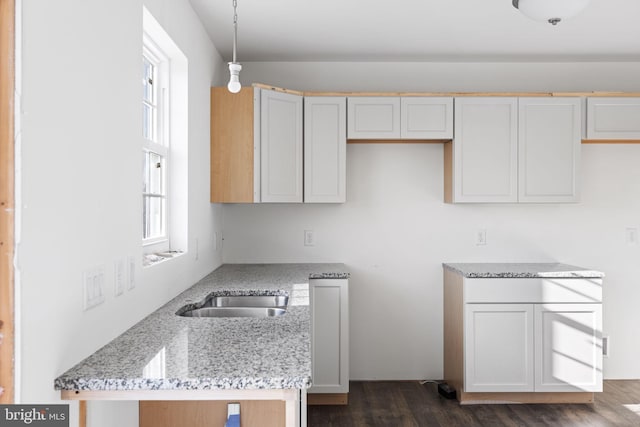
x,y
156,258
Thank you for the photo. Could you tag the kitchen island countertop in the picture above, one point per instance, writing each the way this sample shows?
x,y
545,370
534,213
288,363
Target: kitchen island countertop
x,y
169,352
521,270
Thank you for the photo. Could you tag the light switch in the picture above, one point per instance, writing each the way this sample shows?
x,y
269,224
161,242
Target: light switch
x,y
120,276
93,287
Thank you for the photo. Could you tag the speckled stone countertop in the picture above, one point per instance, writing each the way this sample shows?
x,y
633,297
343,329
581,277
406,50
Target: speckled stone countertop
x,y
169,352
522,270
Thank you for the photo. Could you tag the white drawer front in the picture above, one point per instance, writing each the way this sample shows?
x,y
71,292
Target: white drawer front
x,y
552,290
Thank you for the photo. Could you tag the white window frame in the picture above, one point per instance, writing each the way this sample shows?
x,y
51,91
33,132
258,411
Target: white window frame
x,y
162,145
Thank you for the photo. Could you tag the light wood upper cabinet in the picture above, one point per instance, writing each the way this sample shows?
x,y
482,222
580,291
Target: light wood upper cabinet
x,y
482,160
256,146
613,118
281,147
373,118
549,138
514,150
325,149
233,146
426,118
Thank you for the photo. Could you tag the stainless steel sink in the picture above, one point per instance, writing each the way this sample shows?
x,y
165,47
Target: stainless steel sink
x,y
238,306
247,301
234,312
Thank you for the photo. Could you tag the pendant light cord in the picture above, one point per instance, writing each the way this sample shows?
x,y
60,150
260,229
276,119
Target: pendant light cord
x,y
235,28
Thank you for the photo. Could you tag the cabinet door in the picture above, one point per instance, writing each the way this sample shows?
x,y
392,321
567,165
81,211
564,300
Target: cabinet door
x,y
325,149
329,300
281,147
568,341
613,118
426,118
373,118
498,343
485,150
549,143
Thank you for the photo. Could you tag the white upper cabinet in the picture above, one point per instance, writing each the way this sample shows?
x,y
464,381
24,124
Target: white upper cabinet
x,y
613,118
373,118
549,138
485,150
426,118
325,149
281,147
400,118
514,150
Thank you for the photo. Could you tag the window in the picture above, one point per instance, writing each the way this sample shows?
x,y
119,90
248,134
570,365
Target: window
x,y
164,115
155,105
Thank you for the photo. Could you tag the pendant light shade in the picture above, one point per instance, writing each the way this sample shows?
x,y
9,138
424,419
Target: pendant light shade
x,y
551,11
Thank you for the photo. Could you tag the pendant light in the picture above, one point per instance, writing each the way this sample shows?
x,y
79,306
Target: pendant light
x,y
234,85
551,11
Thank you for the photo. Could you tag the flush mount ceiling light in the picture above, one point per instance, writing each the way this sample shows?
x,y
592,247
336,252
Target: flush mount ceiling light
x,y
234,85
551,11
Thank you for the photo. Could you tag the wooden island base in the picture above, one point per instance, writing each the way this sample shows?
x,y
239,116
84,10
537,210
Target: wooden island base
x,y
264,413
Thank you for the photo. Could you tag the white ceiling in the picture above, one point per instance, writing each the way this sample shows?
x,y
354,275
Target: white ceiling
x,y
418,30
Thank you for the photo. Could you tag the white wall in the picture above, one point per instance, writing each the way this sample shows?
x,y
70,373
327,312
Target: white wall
x,y
80,163
394,231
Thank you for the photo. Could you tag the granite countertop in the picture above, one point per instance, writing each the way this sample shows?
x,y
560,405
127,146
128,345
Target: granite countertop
x,y
521,270
169,352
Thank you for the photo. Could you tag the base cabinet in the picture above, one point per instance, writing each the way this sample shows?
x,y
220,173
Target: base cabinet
x,y
498,347
568,347
526,340
329,299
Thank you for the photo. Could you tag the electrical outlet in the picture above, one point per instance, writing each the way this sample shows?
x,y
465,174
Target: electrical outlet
x,y
481,237
131,267
632,236
309,238
93,287
606,346
120,276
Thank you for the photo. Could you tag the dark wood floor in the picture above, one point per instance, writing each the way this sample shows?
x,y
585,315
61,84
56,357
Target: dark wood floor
x,y
400,404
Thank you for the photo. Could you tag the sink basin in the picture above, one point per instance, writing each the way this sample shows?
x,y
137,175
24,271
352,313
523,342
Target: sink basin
x,y
238,306
234,312
247,301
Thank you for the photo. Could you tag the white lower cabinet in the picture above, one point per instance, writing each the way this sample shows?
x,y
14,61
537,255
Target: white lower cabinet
x,y
533,347
329,299
526,340
568,346
499,347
